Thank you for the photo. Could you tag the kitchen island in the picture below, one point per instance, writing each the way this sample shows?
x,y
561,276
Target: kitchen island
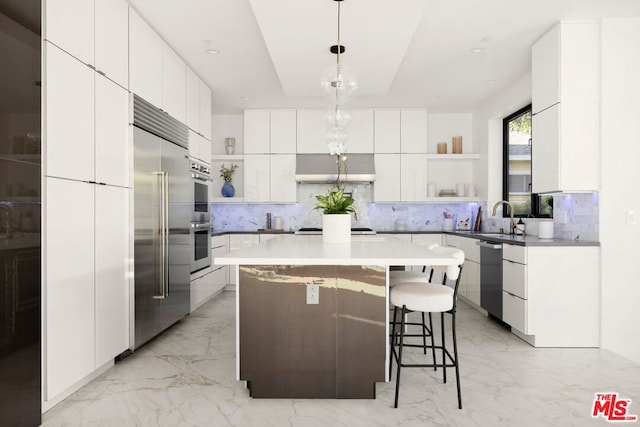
x,y
312,318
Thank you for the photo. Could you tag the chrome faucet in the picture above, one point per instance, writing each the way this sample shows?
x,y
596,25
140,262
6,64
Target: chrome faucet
x,y
512,223
8,225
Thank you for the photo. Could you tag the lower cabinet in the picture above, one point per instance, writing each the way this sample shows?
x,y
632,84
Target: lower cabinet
x,y
86,275
209,282
469,288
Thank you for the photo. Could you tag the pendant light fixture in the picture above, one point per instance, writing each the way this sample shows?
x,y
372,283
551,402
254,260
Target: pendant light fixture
x,y
338,85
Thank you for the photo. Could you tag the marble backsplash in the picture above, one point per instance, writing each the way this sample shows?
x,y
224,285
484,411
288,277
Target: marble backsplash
x,y
575,215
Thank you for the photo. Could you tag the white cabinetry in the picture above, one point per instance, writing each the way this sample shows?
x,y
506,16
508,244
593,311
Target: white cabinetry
x,y
199,147
413,177
192,100
565,104
360,132
257,128
86,303
174,100
470,280
386,131
205,111
311,131
413,131
97,110
282,182
95,33
386,187
283,132
551,295
145,60
256,178
211,281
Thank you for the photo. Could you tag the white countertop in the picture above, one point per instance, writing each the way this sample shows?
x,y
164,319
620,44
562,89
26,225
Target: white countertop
x,y
363,250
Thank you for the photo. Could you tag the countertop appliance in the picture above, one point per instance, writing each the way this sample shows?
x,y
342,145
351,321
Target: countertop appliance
x,y
315,230
491,277
161,192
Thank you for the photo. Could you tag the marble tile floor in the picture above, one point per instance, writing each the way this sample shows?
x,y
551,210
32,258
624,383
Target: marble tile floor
x,y
185,377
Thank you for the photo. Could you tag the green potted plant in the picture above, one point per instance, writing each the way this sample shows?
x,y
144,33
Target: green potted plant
x,y
227,174
337,209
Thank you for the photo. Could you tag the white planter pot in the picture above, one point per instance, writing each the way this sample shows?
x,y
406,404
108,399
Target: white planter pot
x,y
336,228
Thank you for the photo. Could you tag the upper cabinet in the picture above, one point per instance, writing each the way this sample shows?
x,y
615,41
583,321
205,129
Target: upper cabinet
x,y
95,33
360,132
270,131
310,132
413,131
193,100
566,105
205,111
257,125
565,65
386,131
174,98
145,60
283,131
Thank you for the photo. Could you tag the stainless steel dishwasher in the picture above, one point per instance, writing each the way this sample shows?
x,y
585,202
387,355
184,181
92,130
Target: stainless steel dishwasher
x,y
491,277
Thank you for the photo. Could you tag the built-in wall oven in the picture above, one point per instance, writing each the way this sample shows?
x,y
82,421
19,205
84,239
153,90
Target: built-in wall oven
x,y
200,216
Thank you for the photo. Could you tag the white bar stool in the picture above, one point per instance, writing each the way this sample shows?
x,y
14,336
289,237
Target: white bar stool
x,y
427,298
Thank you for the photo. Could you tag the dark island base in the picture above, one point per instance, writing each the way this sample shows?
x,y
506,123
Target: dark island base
x,y
334,349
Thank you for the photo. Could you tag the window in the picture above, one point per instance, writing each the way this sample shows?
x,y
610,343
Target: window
x,y
517,168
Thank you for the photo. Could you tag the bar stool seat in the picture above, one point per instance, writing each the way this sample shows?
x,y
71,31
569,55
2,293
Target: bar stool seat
x,y
424,297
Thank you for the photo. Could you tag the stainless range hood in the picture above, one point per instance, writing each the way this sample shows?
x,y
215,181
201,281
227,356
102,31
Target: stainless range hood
x,y
321,168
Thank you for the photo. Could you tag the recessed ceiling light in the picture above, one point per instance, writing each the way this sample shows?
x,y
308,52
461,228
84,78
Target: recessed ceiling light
x,y
213,51
485,40
244,98
436,98
492,82
477,50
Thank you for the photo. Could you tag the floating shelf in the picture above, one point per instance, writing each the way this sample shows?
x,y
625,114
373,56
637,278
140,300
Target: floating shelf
x,y
471,156
227,200
226,157
453,199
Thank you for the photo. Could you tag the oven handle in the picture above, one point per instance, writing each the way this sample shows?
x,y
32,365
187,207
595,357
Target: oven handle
x,y
200,225
201,177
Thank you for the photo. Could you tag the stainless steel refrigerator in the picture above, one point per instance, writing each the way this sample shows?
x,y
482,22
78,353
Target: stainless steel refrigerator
x,y
162,247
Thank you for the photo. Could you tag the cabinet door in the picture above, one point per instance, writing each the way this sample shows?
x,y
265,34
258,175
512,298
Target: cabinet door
x,y
69,116
174,100
111,272
471,271
112,40
515,312
205,150
514,278
69,280
360,132
194,144
193,100
283,132
386,131
311,131
69,24
145,60
256,131
112,148
283,183
386,187
205,111
545,150
413,177
545,70
413,131
256,178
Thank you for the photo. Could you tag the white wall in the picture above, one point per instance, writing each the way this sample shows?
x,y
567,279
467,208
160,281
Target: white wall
x,y
620,152
226,126
487,136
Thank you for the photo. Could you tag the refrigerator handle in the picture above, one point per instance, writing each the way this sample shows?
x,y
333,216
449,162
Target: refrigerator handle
x,y
165,233
162,212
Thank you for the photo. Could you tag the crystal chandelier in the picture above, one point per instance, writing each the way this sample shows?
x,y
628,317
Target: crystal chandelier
x,y
338,85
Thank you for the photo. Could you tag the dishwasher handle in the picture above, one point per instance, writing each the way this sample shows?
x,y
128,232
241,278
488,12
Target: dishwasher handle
x,y
489,245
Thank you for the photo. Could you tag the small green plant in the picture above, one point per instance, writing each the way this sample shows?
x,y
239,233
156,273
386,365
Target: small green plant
x,y
336,203
227,172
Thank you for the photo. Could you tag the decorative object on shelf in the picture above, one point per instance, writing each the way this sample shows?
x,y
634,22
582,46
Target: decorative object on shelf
x,y
456,143
478,224
336,218
447,223
431,190
338,85
230,145
460,190
471,190
447,193
464,224
227,174
442,148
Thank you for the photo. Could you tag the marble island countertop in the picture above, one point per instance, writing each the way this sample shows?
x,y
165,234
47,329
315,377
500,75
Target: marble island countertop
x,y
363,250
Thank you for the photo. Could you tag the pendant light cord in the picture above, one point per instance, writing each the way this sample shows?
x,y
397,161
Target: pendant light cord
x,y
338,55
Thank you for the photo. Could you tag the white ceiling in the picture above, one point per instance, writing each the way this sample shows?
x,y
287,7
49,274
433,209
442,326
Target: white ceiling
x,y
406,53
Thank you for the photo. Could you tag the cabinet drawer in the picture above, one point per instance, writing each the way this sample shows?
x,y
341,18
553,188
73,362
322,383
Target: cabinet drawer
x,y
514,278
218,241
514,312
515,253
217,251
